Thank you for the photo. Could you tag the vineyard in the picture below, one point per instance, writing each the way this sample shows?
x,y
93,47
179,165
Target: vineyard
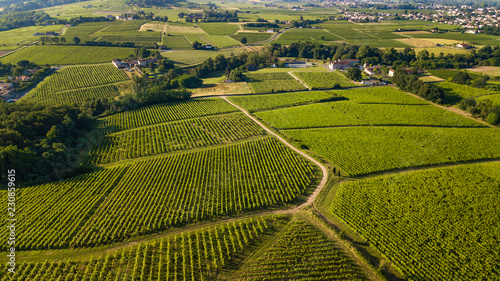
x,y
456,92
302,253
347,113
195,255
173,136
385,95
324,80
159,193
44,95
438,224
76,77
160,113
402,146
273,82
252,37
266,102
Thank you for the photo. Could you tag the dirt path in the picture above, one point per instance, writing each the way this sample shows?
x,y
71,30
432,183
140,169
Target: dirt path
x,y
300,81
324,170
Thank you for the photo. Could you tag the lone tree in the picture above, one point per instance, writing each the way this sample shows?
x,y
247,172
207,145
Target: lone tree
x,y
77,40
354,73
243,40
461,77
196,45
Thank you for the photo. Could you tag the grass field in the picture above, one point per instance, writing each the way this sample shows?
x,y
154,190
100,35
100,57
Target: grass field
x,y
218,28
312,35
266,102
486,70
455,92
176,42
67,55
273,82
252,37
324,80
495,99
222,41
347,113
24,35
185,29
431,216
193,57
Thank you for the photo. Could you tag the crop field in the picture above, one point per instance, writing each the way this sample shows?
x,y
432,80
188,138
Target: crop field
x,y
222,41
138,40
24,35
185,29
323,80
252,37
76,77
173,136
113,204
266,102
160,113
273,82
194,255
44,95
67,55
192,57
347,113
447,74
495,99
302,252
176,42
312,35
455,92
378,95
486,70
403,146
219,28
432,216
481,39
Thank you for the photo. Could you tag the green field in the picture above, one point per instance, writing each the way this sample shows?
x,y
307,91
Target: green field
x,y
443,218
176,42
252,37
114,204
324,80
194,255
455,92
273,82
193,57
481,39
312,35
222,41
379,95
173,136
160,113
67,55
402,147
218,28
75,84
495,99
266,102
24,35
46,96
303,252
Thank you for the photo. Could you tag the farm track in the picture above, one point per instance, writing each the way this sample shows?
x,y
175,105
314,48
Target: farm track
x,y
300,81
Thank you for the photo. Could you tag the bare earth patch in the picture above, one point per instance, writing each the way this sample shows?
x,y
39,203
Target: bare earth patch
x,y
2,53
488,70
222,89
152,26
416,42
415,32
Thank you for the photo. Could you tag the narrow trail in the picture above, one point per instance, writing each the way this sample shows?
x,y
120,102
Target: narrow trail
x,y
300,81
324,170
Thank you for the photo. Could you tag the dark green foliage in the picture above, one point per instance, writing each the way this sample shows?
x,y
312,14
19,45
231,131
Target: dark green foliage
x,y
411,83
236,75
188,81
461,77
37,140
354,73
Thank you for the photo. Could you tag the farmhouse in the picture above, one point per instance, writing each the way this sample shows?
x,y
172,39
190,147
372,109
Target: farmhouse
x,y
299,64
464,46
391,72
118,63
342,64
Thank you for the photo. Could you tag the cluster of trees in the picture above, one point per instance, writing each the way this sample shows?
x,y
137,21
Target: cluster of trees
x,y
141,15
406,58
14,20
20,68
462,77
262,24
411,83
211,16
483,109
37,140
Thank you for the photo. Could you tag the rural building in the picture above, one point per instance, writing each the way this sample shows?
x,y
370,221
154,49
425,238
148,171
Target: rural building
x,y
342,64
368,82
391,72
23,78
472,31
118,63
109,16
464,46
299,64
